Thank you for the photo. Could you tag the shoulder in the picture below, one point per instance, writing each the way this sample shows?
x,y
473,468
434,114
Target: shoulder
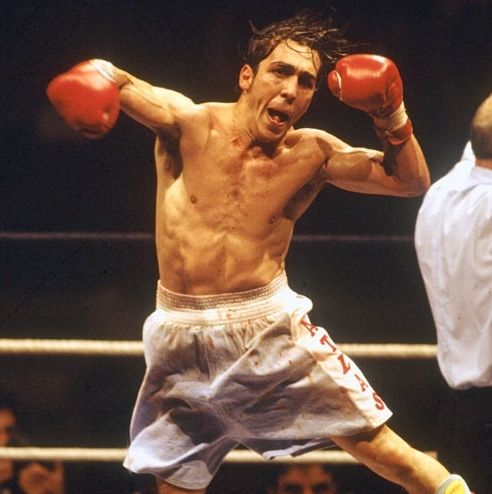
x,y
199,122
316,140
455,180
210,113
185,108
447,193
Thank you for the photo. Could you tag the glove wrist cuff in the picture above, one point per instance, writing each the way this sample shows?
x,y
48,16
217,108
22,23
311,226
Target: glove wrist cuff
x,y
394,121
396,128
105,68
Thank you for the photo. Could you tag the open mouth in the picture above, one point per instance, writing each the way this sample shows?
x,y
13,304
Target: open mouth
x,y
277,116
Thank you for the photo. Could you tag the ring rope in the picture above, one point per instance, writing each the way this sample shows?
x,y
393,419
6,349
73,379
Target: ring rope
x,y
118,454
16,346
147,237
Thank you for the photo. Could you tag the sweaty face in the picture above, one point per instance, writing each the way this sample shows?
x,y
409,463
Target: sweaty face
x,y
306,480
281,90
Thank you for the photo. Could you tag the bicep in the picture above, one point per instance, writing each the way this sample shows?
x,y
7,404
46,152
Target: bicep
x,y
360,170
353,169
400,171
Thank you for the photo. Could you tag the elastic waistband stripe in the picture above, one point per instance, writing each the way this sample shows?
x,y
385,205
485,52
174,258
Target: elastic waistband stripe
x,y
227,307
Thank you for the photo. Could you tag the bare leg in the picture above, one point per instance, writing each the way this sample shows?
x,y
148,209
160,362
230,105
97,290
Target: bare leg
x,y
165,488
388,455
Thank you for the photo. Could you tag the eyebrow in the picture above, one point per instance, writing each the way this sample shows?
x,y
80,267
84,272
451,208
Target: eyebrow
x,y
292,68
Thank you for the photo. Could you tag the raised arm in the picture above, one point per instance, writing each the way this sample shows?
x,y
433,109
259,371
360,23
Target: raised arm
x,y
89,97
154,107
373,84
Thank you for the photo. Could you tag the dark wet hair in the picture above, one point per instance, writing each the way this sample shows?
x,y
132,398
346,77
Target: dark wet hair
x,y
481,130
306,28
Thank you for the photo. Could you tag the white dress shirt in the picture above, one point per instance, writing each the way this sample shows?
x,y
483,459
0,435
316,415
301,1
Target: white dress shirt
x,y
453,240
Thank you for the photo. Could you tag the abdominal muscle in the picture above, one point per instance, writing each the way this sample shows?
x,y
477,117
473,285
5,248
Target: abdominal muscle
x,y
215,265
205,249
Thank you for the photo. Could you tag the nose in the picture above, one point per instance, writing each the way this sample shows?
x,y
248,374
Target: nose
x,y
289,89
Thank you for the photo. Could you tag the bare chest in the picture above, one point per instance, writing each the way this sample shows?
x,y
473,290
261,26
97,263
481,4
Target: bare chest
x,y
251,173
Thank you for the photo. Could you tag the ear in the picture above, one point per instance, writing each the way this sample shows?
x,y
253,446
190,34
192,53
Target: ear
x,y
246,76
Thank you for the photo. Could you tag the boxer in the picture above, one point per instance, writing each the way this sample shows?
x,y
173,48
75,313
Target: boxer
x,y
232,357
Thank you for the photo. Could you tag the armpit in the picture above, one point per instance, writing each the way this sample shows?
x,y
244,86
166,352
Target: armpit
x,y
304,197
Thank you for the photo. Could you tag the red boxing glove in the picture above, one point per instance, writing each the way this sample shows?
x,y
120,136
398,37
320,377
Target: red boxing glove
x,y
87,97
372,83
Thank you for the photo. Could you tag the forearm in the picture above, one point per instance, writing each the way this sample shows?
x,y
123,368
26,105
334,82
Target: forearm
x,y
131,88
403,156
406,163
151,106
140,101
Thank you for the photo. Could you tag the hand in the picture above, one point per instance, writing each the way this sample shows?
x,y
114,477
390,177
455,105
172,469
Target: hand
x,y
38,479
87,97
372,83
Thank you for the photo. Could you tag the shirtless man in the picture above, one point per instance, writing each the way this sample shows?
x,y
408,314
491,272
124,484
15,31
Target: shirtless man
x,y
231,355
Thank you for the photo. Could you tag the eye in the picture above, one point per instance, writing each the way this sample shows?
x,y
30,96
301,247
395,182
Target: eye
x,y
307,81
282,71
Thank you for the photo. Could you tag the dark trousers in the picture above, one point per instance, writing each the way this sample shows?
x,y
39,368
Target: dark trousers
x,y
465,436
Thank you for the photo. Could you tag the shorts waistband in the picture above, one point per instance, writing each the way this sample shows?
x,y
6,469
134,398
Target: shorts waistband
x,y
269,299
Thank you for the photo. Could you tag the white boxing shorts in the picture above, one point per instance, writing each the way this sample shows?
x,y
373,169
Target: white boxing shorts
x,y
245,368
